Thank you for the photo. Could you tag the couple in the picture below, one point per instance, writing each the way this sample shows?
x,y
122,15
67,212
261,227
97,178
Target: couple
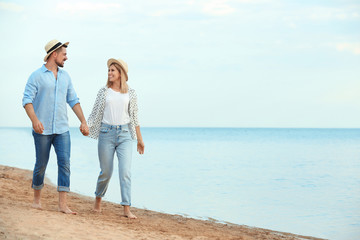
x,y
113,121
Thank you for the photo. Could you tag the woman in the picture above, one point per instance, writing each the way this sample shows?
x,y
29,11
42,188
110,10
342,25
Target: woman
x,y
114,122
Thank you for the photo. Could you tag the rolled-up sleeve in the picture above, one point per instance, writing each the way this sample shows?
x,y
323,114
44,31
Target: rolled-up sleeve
x,y
71,97
30,91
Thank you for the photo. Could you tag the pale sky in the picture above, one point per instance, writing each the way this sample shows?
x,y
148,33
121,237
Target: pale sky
x,y
196,63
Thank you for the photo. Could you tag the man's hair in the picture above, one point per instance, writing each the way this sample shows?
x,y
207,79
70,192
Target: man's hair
x,y
60,48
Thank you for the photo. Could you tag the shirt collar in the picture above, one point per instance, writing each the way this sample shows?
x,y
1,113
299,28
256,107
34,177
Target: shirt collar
x,y
44,69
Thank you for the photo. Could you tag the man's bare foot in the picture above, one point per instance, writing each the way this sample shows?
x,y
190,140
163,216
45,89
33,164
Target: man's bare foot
x,y
37,197
63,204
97,205
36,206
128,214
66,210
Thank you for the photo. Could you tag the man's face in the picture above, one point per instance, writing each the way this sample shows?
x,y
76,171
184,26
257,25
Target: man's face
x,y
61,57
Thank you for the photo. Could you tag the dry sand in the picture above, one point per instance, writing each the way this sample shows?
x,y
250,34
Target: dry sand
x,y
19,221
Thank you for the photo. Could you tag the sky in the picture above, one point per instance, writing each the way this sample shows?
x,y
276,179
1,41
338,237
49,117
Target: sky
x,y
195,63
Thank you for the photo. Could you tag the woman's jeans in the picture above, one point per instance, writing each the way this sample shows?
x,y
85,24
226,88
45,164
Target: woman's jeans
x,y
61,143
115,139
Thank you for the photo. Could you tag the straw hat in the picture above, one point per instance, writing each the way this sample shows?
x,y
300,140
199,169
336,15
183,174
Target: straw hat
x,y
53,45
122,64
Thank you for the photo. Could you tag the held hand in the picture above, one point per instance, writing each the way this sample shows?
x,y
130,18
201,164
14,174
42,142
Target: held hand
x,y
84,129
38,127
140,146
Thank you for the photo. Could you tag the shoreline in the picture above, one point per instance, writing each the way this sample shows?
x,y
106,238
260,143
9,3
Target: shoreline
x,y
19,221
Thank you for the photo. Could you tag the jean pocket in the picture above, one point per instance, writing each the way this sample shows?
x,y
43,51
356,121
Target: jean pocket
x,y
125,133
104,129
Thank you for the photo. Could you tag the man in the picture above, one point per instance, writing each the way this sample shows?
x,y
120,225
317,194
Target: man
x,y
46,93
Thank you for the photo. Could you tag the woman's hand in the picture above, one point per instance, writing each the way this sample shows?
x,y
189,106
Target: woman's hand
x,y
140,142
140,146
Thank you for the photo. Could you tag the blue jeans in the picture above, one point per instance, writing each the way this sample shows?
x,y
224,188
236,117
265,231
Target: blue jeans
x,y
115,139
61,143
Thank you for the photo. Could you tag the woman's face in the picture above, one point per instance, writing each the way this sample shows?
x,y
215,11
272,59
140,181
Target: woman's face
x,y
113,74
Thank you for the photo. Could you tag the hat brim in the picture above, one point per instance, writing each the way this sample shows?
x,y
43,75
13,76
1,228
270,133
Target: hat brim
x,y
113,60
47,55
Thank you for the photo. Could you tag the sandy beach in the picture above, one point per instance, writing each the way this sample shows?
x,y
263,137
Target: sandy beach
x,y
19,221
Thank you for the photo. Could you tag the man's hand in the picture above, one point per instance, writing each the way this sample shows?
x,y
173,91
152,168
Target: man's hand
x,y
84,129
38,126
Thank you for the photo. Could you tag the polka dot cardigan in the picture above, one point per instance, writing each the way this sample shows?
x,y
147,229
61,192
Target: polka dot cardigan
x,y
97,113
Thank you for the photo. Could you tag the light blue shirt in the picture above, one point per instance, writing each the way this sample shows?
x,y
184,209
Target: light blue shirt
x,y
49,97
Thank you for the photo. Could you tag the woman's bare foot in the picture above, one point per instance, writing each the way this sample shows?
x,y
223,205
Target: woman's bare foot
x,y
128,213
97,205
66,210
36,205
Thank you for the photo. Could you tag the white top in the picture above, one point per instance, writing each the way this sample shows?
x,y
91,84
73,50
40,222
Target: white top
x,y
116,110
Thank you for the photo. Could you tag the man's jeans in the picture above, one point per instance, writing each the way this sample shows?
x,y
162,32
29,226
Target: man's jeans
x,y
61,143
111,139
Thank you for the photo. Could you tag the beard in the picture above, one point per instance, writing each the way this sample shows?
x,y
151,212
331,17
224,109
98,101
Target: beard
x,y
60,64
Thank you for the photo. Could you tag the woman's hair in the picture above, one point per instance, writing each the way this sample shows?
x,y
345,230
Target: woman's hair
x,y
123,84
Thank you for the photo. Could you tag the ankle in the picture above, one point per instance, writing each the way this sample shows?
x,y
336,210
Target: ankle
x,y
97,204
63,206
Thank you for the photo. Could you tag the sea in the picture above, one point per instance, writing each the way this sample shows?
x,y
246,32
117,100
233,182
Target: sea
x,y
303,181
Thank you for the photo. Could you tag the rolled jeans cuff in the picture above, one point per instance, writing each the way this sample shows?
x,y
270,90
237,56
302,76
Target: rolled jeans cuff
x,y
99,195
37,187
63,189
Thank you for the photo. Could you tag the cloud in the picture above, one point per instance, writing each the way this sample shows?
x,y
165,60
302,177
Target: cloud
x,y
166,12
344,93
83,8
349,47
327,13
12,7
192,7
158,8
217,8
251,1
291,25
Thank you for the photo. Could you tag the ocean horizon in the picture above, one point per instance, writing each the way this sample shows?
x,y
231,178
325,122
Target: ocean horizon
x,y
299,180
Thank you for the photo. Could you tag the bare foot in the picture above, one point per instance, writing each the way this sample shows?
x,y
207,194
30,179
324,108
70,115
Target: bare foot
x,y
97,205
128,214
96,210
36,206
63,205
37,197
66,210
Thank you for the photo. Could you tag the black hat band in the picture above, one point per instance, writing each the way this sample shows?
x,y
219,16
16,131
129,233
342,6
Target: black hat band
x,y
54,47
